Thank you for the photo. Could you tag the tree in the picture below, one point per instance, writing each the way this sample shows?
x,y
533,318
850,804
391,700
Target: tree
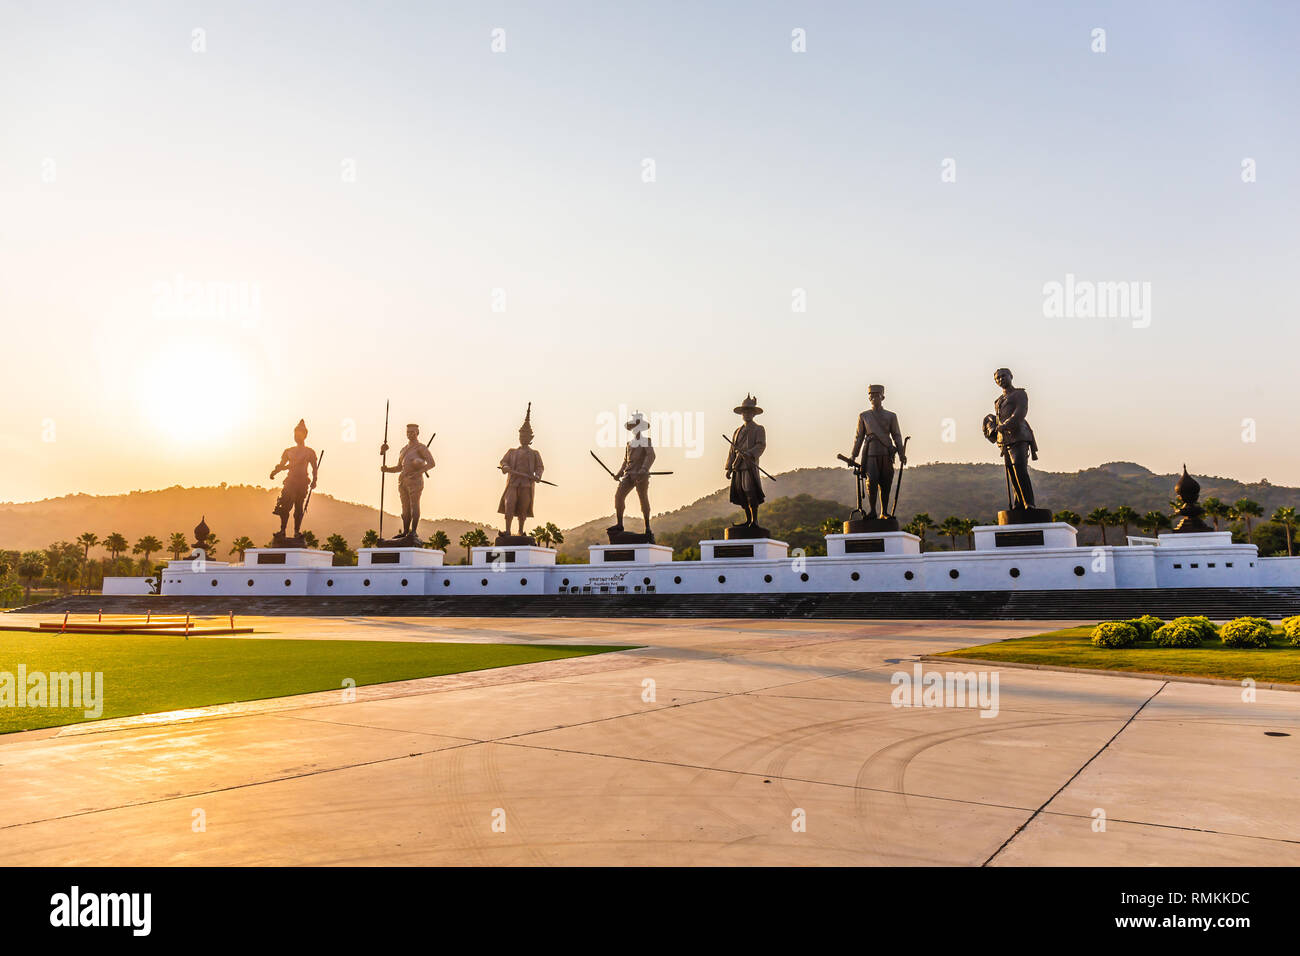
x,y
88,540
338,546
542,536
31,568
146,546
1216,509
1286,517
1099,518
554,534
1124,516
178,545
115,544
832,526
951,526
370,539
919,525
1153,521
967,527
1069,517
474,538
438,541
210,544
242,543
310,540
1244,510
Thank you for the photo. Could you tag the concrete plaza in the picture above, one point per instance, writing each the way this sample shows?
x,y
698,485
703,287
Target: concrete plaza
x,y
710,744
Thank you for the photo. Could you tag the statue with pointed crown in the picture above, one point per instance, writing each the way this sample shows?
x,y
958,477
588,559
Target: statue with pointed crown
x,y
522,467
295,461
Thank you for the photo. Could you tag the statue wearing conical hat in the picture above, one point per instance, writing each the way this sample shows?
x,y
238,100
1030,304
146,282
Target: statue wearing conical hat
x,y
295,460
523,469
635,473
747,445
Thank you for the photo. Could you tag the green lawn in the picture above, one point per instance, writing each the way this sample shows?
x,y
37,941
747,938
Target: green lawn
x,y
1072,647
145,674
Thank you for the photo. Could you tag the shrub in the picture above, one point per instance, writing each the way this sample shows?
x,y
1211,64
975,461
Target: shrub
x,y
1146,625
1246,632
1114,634
1291,629
1202,625
1174,634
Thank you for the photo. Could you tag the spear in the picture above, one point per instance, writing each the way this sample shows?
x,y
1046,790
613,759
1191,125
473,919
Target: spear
x,y
383,474
899,487
319,461
615,477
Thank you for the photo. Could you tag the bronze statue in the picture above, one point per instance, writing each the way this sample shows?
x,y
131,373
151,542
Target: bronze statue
x,y
743,470
413,464
879,439
295,460
1008,428
635,473
523,469
1189,510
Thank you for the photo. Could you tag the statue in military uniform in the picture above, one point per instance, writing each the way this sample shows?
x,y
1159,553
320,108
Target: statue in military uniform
x,y
1008,428
879,439
634,473
523,469
747,445
295,460
413,464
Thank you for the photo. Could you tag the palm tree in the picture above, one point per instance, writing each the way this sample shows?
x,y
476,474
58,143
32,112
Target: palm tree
x,y
1124,516
210,544
553,533
242,543
370,539
88,540
967,527
1153,521
951,526
1216,509
310,540
1286,517
1099,518
115,544
1069,517
1245,509
919,525
438,541
147,545
178,545
338,546
474,538
542,536
31,568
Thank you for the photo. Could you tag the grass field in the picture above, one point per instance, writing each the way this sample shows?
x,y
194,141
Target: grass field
x,y
145,674
1072,647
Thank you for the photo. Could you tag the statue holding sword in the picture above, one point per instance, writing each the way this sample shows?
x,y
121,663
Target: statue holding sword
x,y
743,470
523,469
879,439
633,473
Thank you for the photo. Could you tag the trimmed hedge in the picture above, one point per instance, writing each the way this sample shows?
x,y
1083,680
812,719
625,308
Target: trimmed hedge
x,y
1201,624
1114,634
1291,630
1146,625
1246,632
1175,634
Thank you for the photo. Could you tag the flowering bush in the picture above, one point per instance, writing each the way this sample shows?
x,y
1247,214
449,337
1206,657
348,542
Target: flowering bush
x,y
1114,634
1246,632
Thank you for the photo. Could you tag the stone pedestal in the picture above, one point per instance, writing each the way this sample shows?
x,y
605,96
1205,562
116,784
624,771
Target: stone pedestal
x,y
882,542
523,555
645,553
734,549
1042,534
745,532
866,525
618,535
287,558
1022,516
399,557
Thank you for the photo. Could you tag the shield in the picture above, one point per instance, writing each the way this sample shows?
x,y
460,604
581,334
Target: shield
x,y
991,428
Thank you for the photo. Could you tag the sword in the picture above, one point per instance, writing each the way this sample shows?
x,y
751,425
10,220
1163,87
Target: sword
x,y
744,455
511,471
615,477
319,461
893,512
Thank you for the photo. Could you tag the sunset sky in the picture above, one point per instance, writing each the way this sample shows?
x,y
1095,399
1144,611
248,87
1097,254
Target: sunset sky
x,y
369,181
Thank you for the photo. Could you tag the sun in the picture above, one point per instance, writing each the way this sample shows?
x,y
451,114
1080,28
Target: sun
x,y
194,391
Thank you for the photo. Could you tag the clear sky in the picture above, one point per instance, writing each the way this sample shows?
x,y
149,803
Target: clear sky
x,y
372,179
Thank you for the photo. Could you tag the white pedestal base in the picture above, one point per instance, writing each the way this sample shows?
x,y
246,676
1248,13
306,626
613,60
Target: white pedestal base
x,y
399,558
1046,534
287,558
744,549
511,554
630,553
872,542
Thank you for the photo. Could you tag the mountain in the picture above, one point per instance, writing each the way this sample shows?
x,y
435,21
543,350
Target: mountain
x,y
230,511
964,490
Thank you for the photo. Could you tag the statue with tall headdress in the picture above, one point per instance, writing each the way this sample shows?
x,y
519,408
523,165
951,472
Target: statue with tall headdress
x,y
295,461
522,467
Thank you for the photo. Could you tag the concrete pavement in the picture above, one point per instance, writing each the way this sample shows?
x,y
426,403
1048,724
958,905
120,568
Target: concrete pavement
x,y
718,742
